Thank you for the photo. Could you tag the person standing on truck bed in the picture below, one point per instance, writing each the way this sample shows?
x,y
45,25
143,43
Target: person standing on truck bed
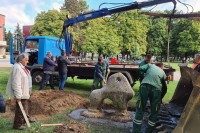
x,y
147,60
150,88
62,61
100,72
48,69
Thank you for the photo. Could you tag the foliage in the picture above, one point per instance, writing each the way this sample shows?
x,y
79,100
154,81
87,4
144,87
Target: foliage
x,y
18,34
75,7
157,37
98,39
49,23
185,37
18,31
133,30
8,35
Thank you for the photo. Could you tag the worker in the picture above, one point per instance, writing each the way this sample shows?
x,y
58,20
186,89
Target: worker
x,y
150,88
100,72
19,86
147,60
48,69
62,61
196,65
2,104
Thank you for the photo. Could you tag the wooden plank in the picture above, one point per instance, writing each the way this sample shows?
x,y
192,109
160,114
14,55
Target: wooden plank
x,y
48,125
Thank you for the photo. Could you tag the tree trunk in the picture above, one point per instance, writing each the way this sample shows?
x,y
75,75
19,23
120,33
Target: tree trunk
x,y
92,57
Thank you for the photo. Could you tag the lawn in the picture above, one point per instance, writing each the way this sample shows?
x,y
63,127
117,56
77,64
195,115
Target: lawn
x,y
81,87
175,65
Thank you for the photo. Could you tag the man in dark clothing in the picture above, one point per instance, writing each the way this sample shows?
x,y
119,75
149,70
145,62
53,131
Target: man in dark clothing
x,y
48,69
2,104
100,72
62,69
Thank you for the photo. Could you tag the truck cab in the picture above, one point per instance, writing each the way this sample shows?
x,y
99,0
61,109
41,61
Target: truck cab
x,y
36,47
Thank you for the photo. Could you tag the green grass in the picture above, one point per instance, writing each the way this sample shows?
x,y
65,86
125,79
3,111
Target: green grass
x,y
175,65
81,87
4,74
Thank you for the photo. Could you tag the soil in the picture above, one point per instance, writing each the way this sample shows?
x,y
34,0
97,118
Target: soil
x,y
74,127
110,115
44,104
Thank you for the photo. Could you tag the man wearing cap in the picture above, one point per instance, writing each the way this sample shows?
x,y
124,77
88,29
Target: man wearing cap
x,y
100,72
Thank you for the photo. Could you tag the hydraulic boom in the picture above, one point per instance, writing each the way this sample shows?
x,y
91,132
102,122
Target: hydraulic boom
x,y
104,12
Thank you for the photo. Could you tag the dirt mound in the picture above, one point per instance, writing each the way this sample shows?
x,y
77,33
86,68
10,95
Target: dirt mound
x,y
74,127
44,104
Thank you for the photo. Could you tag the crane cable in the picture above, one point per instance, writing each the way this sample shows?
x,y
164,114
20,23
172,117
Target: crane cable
x,y
169,32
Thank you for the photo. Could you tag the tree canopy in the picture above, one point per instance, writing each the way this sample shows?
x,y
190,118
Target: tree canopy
x,y
49,23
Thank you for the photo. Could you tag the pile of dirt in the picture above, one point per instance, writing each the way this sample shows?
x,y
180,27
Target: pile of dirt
x,y
46,103
74,127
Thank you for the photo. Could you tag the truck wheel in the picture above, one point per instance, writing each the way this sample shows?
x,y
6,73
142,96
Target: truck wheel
x,y
37,77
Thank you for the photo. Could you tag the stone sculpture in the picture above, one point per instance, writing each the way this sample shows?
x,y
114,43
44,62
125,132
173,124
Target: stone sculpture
x,y
117,89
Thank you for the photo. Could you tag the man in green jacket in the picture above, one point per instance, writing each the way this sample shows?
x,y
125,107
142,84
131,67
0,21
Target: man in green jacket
x,y
147,60
151,87
101,68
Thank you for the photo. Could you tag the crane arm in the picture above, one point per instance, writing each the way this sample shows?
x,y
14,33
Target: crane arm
x,y
104,12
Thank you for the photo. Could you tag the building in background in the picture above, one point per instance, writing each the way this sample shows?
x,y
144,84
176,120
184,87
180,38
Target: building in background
x,y
2,36
26,30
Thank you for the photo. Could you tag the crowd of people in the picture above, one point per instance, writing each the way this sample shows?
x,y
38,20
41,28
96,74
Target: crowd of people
x,y
152,85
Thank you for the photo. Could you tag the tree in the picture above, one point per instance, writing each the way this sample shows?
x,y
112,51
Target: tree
x,y
101,38
18,32
8,35
75,7
185,38
133,30
157,37
49,23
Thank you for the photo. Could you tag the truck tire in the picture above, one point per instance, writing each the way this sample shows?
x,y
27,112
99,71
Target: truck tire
x,y
37,77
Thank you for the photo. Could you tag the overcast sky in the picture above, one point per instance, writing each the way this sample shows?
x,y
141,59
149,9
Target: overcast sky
x,y
25,11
